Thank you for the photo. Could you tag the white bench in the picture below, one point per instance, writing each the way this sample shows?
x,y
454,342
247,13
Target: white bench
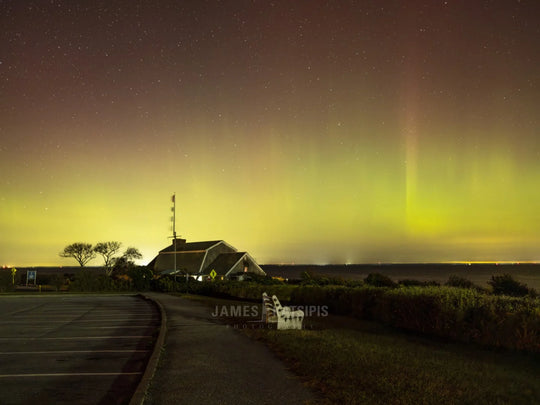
x,y
284,317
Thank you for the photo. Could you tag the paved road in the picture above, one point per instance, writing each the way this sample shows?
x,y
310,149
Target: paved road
x,y
74,349
205,362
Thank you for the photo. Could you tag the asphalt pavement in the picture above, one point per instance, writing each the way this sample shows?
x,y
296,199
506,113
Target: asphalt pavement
x,y
206,362
74,349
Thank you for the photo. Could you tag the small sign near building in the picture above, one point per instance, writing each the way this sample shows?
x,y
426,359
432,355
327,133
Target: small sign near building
x,y
31,277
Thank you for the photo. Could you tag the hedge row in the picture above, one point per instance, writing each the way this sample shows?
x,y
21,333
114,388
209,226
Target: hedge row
x,y
462,314
245,290
466,315
137,278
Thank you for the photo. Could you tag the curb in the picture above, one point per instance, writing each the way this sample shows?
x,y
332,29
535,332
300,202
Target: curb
x,y
142,388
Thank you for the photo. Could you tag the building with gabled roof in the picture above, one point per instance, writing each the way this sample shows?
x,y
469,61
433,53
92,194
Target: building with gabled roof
x,y
199,259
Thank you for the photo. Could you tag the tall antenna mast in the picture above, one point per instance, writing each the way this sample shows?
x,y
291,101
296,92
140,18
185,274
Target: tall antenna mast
x,y
174,215
174,228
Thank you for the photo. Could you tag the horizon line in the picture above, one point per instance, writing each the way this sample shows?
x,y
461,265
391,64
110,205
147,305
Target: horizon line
x,y
449,262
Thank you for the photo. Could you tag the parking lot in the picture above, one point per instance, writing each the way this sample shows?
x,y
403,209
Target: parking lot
x,y
74,349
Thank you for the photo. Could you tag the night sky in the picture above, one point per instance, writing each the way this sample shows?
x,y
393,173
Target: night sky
x,y
300,131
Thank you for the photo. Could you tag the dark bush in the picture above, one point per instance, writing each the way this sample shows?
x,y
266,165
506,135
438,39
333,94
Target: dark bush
x,y
141,276
265,280
57,281
506,285
308,278
354,283
6,281
461,282
364,301
42,279
418,283
379,280
409,309
169,284
338,299
86,281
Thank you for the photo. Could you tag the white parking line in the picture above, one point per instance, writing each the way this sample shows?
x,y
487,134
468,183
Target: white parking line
x,y
93,314
113,327
75,351
41,320
74,337
65,374
42,317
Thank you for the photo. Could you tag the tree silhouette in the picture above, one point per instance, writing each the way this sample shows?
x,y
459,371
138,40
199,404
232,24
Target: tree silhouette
x,y
125,263
82,252
107,250
132,254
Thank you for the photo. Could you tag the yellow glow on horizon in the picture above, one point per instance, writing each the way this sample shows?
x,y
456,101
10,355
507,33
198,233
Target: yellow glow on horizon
x,y
284,201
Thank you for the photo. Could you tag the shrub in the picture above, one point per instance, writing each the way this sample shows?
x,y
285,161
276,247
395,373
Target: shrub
x,y
142,277
354,283
506,285
6,282
169,284
86,281
364,301
338,299
417,283
266,279
308,278
379,280
42,279
57,281
460,282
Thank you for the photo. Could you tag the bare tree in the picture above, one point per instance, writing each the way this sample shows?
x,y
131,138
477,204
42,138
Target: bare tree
x,y
82,252
107,250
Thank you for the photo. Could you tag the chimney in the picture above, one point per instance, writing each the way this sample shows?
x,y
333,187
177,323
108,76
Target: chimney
x,y
178,241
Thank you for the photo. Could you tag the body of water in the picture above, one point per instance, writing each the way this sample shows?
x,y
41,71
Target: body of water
x,y
479,274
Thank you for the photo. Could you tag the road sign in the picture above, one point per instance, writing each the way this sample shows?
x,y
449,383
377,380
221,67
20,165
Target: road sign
x,y
213,274
31,275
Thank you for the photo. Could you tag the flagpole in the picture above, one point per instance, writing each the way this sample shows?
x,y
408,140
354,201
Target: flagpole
x,y
174,231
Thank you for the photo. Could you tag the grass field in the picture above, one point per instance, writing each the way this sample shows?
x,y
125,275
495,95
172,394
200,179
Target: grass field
x,y
349,361
374,365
